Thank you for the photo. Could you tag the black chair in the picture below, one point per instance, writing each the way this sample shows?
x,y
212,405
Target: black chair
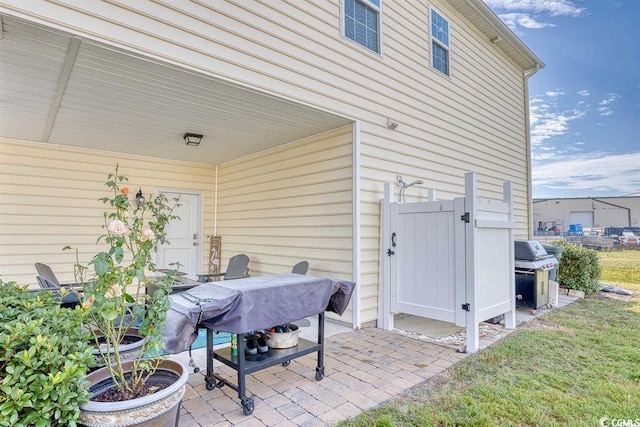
x,y
301,268
46,272
237,269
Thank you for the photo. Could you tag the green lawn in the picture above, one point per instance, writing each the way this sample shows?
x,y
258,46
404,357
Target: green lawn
x,y
572,367
621,268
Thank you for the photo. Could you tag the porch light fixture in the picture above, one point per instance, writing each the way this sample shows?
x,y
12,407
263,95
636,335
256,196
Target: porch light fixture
x,y
392,124
192,139
139,199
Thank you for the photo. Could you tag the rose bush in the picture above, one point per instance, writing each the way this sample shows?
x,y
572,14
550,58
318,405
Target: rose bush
x,y
114,297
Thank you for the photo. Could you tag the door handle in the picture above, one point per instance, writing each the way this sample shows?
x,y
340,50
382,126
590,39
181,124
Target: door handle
x,y
393,239
195,243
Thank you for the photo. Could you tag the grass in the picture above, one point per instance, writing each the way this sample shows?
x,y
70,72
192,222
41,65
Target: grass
x,y
621,268
572,366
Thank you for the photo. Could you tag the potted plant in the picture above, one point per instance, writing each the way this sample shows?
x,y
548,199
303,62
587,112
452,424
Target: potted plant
x,y
44,356
114,299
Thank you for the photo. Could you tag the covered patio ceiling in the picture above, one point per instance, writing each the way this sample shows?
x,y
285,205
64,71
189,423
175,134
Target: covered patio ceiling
x,y
62,89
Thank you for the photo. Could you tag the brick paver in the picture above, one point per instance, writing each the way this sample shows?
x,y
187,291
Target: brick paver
x,y
363,368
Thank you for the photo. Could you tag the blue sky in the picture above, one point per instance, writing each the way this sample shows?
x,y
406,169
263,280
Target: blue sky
x,y
585,103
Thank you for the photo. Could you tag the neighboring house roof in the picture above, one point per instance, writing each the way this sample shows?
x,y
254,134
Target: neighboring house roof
x,y
481,16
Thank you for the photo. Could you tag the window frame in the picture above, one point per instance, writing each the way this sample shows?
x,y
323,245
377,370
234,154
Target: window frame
x,y
377,9
435,41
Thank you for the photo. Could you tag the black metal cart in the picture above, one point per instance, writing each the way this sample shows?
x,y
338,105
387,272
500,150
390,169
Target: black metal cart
x,y
255,363
251,304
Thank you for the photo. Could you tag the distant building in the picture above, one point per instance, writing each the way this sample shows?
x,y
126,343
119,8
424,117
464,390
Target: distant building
x,y
559,215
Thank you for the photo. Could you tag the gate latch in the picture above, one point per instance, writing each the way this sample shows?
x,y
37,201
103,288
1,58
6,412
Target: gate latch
x,y
465,217
390,252
466,306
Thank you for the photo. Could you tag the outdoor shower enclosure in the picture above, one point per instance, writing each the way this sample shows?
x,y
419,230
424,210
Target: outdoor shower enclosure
x,y
449,260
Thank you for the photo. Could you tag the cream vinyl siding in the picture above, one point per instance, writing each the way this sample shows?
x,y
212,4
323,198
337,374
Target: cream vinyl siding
x,y
291,204
49,199
471,121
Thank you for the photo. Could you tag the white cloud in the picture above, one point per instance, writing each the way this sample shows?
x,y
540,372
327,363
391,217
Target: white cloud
x,y
587,175
526,13
611,97
551,7
604,111
584,92
515,20
548,121
554,93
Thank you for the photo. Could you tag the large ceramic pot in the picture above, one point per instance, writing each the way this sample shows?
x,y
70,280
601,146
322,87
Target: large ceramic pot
x,y
129,350
159,409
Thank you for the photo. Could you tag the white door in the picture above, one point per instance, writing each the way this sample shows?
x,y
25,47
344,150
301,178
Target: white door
x,y
425,264
183,235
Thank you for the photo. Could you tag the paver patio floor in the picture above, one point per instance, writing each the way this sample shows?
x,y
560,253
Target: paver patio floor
x,y
363,368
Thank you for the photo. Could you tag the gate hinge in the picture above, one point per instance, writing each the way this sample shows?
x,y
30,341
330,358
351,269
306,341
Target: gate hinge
x,y
466,306
465,217
390,252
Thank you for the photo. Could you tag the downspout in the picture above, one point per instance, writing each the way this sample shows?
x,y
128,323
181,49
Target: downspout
x,y
215,204
527,123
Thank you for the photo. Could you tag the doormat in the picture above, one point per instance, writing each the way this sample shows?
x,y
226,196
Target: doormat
x,y
218,338
200,342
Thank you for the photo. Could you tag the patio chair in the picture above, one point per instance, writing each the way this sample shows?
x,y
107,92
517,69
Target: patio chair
x,y
301,268
69,300
46,272
237,269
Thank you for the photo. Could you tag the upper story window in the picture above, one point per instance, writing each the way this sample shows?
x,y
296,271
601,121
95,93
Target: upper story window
x,y
362,22
439,42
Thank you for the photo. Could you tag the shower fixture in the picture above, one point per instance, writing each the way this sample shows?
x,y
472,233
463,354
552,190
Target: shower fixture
x,y
404,186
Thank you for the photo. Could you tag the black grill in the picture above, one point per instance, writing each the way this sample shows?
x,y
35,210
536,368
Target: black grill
x,y
532,264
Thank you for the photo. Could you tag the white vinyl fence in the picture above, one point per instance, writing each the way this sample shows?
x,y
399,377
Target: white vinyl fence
x,y
449,260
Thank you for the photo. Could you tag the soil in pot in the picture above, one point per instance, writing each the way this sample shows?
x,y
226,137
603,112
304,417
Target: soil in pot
x,y
105,392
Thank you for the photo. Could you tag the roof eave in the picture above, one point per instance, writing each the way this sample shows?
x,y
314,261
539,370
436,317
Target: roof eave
x,y
498,32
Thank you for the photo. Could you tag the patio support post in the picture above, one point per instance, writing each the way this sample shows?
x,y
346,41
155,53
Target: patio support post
x,y
473,328
510,316
385,318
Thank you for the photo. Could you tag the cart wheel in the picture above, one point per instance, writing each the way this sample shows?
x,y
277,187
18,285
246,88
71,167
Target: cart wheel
x,y
319,373
210,384
287,363
247,406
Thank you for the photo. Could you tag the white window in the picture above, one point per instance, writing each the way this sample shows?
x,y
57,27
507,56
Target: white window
x,y
439,42
362,22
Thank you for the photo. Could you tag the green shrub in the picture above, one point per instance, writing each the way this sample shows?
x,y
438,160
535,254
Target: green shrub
x,y
579,269
44,355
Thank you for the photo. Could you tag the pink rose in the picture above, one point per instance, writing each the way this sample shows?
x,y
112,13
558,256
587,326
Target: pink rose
x,y
88,303
118,228
114,291
147,234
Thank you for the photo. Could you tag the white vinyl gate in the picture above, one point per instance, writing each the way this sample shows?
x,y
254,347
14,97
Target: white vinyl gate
x,y
449,260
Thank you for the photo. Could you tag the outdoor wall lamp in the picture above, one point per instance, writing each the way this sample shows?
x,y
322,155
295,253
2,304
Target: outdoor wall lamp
x,y
192,139
392,124
140,199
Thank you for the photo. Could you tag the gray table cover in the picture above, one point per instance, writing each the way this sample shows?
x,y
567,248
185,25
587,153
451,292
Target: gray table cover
x,y
253,303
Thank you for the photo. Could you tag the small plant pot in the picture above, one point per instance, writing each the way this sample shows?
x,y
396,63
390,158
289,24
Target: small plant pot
x,y
284,339
159,409
130,350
